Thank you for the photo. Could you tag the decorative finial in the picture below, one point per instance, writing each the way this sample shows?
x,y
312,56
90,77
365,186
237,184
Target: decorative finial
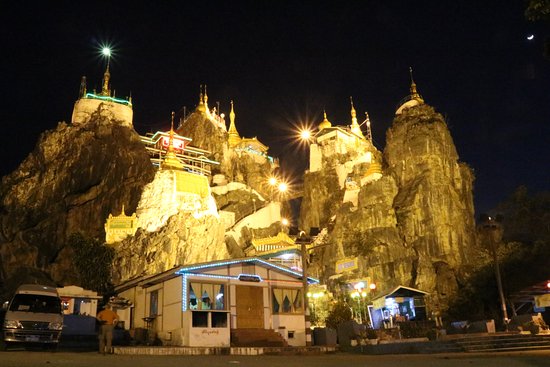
x,y
234,137
353,112
414,92
325,123
205,96
200,95
122,212
82,93
172,123
105,90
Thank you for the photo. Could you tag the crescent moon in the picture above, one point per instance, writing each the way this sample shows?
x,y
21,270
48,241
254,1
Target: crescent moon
x,y
530,37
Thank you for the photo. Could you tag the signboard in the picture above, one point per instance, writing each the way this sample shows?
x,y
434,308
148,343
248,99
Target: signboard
x,y
347,264
250,278
178,143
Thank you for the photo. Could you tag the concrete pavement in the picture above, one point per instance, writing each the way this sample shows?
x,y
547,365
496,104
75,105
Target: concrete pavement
x,y
23,358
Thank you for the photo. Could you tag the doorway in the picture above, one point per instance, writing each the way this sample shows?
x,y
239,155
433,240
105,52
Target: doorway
x,y
250,307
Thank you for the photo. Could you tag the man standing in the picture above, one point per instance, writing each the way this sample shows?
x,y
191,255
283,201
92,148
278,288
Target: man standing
x,y
108,319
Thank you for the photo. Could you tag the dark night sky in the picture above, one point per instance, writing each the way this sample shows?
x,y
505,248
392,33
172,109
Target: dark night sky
x,y
282,62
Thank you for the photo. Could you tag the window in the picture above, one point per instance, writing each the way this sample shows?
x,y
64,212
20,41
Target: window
x,y
287,300
200,319
154,304
206,296
36,303
219,319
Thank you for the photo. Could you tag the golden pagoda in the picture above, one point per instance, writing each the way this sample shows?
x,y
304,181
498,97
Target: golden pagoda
x,y
201,107
234,137
325,124
105,89
171,161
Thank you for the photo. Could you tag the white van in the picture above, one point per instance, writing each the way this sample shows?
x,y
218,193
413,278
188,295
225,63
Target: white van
x,y
34,315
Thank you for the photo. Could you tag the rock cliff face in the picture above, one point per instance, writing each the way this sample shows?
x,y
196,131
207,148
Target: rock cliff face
x,y
176,228
415,225
70,183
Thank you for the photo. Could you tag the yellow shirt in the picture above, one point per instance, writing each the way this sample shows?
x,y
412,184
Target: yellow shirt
x,y
108,316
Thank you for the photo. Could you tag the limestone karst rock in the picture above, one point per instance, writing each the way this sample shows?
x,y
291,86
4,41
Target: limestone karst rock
x,y
70,183
414,226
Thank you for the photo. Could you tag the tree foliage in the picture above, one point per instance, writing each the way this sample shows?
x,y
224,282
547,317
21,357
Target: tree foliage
x,y
525,222
93,262
538,10
339,313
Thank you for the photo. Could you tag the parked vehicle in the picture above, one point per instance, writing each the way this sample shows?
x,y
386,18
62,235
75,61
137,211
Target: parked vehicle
x,y
33,315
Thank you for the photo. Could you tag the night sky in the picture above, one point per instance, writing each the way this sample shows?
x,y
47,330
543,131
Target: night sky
x,y
283,62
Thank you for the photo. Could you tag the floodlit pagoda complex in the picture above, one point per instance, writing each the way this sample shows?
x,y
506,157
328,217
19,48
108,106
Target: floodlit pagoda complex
x,y
116,109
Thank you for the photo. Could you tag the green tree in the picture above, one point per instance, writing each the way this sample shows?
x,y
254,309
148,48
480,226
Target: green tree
x,y
93,262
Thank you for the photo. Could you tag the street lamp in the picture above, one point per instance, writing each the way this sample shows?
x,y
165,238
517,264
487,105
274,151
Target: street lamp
x,y
491,228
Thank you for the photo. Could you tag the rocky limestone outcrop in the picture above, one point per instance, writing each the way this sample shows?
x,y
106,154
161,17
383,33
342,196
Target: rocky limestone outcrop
x,y
185,239
175,228
414,226
70,183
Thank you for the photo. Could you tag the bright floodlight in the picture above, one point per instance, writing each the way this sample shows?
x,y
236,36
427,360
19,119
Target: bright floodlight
x,y
283,187
359,285
272,181
372,286
284,222
106,51
305,134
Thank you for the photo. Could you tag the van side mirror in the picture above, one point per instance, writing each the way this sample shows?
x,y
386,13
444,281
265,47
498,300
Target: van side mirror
x,y
5,306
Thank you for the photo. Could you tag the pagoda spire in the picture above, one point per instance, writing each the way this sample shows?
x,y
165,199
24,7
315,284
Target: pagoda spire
x,y
414,92
171,161
105,89
325,123
234,137
201,107
355,128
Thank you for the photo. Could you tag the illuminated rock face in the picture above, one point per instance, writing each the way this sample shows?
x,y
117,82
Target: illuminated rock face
x,y
175,228
185,239
70,183
414,226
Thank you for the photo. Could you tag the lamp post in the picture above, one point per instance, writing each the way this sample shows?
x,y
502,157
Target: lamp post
x,y
491,228
303,240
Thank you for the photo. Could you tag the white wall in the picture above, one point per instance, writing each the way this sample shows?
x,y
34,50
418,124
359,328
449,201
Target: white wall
x,y
85,107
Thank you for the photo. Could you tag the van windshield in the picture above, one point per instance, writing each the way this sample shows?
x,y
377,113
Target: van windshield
x,y
35,303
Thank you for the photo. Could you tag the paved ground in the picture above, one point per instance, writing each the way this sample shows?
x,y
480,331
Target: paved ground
x,y
21,358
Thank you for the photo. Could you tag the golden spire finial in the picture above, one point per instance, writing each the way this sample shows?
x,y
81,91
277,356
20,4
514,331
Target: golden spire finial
x,y
201,107
105,90
122,212
234,137
353,112
171,161
325,123
355,128
414,92
205,96
171,139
